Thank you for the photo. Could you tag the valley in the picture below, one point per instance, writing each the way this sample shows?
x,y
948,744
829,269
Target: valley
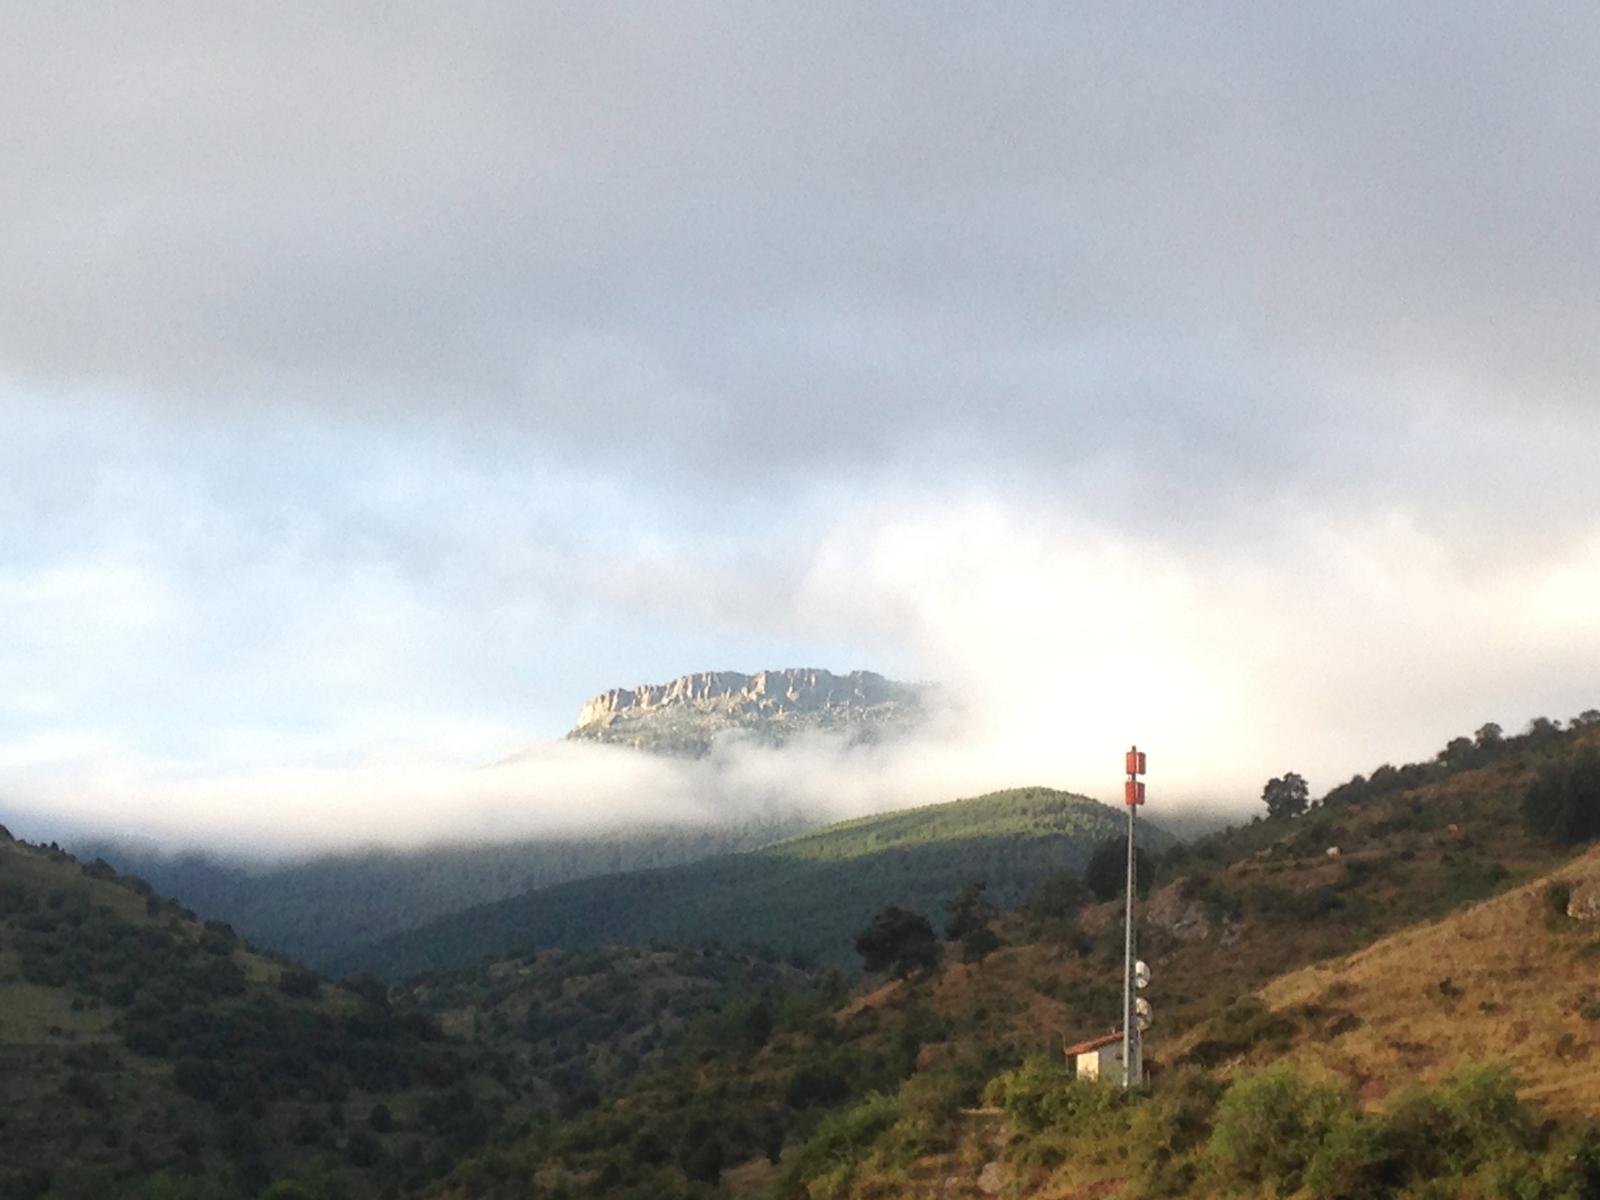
x,y
1411,945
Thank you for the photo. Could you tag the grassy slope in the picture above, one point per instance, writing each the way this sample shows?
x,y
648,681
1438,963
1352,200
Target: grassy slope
x,y
1508,980
809,894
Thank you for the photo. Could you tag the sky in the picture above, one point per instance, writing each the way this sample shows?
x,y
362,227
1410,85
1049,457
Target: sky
x,y
379,381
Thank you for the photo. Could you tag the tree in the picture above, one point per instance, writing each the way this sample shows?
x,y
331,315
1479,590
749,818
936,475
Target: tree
x,y
968,926
1489,736
300,982
897,940
1563,802
1286,797
1542,729
1107,873
1057,898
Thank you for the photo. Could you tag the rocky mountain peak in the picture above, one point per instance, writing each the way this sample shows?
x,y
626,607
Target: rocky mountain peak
x,y
682,715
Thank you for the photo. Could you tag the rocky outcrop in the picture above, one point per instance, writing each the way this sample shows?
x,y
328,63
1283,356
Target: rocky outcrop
x,y
683,715
1177,911
776,692
1584,902
1180,911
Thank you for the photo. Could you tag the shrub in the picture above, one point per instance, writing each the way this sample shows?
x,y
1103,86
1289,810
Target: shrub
x,y
1058,898
1557,895
1431,1138
363,1150
1168,1127
828,1158
1270,1125
1042,1094
817,1083
299,982
1243,1025
87,1091
1359,1159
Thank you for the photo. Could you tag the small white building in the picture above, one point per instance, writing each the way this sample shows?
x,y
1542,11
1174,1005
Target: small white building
x,y
1097,1058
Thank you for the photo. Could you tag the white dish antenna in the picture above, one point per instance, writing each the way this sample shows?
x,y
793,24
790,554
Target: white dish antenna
x,y
1143,1014
1141,974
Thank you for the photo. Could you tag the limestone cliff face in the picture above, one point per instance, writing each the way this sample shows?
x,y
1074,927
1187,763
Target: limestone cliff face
x,y
683,715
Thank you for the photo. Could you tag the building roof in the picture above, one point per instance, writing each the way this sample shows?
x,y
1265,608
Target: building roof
x,y
1105,1039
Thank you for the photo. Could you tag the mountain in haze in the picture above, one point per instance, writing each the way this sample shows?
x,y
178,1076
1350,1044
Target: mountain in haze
x,y
323,908
684,716
807,896
320,909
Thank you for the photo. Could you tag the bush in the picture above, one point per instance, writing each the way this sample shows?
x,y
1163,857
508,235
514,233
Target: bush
x,y
1557,895
363,1150
1058,898
824,1164
817,1083
299,982
1270,1125
87,1091
1245,1024
1432,1136
1169,1127
1042,1094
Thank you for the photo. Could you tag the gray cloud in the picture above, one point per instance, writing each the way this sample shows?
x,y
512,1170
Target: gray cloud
x,y
760,238
387,372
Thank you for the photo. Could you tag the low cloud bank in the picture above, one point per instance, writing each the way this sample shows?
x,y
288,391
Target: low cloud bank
x,y
558,789
1326,648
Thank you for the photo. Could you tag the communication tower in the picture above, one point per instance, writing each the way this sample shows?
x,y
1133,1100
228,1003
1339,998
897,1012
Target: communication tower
x,y
1136,1013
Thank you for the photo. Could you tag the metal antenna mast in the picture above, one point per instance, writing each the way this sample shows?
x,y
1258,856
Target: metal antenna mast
x,y
1132,1058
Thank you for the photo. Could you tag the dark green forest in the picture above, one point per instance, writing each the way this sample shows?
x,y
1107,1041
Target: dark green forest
x,y
323,908
805,898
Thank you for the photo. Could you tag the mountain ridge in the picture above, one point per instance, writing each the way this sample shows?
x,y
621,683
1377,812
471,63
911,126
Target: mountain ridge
x,y
805,895
683,716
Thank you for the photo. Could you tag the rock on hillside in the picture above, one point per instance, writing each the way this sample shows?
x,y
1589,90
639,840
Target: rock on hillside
x,y
683,716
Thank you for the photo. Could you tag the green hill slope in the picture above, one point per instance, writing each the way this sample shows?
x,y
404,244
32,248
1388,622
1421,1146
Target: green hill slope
x,y
807,896
144,1053
317,910
874,1097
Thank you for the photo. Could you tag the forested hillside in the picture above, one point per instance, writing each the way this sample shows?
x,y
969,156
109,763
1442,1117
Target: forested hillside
x,y
1327,984
1355,1079
145,1053
578,1023
319,910
805,897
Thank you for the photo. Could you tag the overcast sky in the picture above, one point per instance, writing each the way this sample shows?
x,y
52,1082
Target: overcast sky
x,y
377,381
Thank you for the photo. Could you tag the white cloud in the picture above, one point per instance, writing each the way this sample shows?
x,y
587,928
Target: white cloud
x,y
1335,647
